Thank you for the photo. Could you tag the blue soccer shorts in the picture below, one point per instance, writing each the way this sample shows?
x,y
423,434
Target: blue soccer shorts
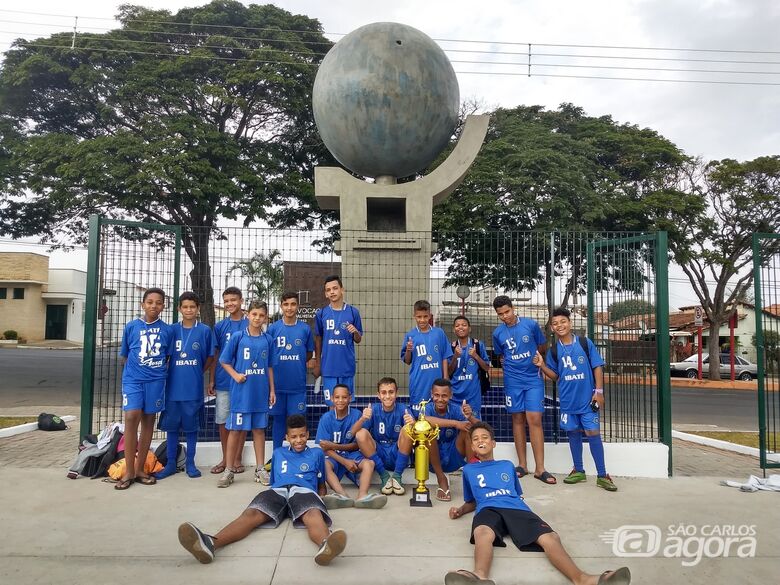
x,y
289,404
146,396
328,383
451,459
340,470
181,415
586,421
246,421
524,398
388,453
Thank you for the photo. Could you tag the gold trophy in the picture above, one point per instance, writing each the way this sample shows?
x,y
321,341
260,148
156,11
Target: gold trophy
x,y
422,434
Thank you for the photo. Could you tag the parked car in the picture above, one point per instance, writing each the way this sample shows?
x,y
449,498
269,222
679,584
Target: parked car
x,y
689,367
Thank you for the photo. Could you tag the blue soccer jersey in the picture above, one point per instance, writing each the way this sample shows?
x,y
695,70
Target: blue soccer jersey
x,y
575,374
251,355
518,345
291,343
429,349
385,426
224,330
492,484
446,434
337,430
465,375
146,346
191,348
338,347
304,469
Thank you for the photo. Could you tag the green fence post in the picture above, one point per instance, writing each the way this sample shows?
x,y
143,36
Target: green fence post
x,y
760,357
662,342
176,271
591,268
90,327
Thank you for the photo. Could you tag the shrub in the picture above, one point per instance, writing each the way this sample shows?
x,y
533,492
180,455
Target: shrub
x,y
10,334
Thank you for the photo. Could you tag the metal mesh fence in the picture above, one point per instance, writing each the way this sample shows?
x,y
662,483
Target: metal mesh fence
x,y
585,272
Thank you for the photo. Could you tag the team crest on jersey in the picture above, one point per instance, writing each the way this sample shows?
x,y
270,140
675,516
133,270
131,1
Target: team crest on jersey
x,y
526,339
581,360
471,362
301,406
158,404
304,467
264,354
297,342
397,428
349,434
505,477
449,433
196,345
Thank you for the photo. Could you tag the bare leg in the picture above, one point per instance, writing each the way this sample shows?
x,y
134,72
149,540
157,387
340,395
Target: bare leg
x,y
560,559
241,527
147,429
366,443
483,550
258,438
223,439
537,439
232,446
518,432
315,526
132,420
463,445
332,479
239,453
366,468
441,477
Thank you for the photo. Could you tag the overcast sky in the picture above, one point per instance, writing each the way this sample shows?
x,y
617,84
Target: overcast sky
x,y
710,120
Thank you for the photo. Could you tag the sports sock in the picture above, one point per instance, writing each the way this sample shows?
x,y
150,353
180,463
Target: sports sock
x,y
575,446
192,442
171,444
379,466
401,463
278,431
597,452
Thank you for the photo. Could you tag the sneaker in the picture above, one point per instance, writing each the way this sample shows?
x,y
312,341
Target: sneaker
x,y
575,477
226,479
372,501
262,476
387,488
334,501
267,466
605,482
198,544
331,547
398,486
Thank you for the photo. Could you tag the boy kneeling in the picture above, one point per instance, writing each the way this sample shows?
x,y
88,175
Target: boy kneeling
x,y
492,488
297,481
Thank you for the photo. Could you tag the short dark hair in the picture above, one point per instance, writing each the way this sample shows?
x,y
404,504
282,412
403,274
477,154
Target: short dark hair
x,y
290,294
258,305
233,290
561,312
153,290
333,277
188,295
442,383
422,306
296,421
386,380
482,425
502,301
342,386
461,318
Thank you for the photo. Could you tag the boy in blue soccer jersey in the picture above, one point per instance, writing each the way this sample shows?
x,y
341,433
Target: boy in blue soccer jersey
x,y
452,449
580,378
337,328
517,341
297,482
347,452
427,350
492,489
294,344
468,357
249,359
194,347
384,421
220,380
146,346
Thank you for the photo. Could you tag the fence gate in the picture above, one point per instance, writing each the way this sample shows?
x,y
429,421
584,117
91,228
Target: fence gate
x,y
125,258
766,280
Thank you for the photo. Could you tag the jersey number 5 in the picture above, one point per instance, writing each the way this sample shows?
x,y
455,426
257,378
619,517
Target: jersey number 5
x,y
284,466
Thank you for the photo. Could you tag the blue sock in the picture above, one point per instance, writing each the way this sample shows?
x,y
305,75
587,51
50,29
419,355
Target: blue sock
x,y
379,466
278,431
597,451
172,442
192,442
401,463
575,446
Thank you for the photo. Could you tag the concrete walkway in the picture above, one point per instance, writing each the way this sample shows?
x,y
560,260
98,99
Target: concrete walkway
x,y
64,531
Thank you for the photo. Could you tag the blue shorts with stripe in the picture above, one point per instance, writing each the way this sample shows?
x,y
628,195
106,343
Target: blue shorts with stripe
x,y
146,396
340,470
524,398
246,421
289,404
584,421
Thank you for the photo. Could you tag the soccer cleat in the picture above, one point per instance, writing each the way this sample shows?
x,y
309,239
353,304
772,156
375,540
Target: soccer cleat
x,y
398,486
372,501
575,477
226,479
387,488
198,544
605,482
331,547
335,500
262,476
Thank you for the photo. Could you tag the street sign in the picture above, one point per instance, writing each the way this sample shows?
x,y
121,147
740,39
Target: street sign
x,y
698,317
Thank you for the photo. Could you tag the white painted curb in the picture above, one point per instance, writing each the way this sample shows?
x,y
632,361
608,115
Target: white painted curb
x,y
725,445
27,427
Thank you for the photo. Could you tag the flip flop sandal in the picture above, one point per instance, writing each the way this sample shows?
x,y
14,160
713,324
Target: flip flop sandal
x,y
622,576
217,469
546,477
239,469
123,484
145,480
520,471
445,497
464,577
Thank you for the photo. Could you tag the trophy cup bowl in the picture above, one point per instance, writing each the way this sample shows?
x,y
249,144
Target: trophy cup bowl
x,y
422,433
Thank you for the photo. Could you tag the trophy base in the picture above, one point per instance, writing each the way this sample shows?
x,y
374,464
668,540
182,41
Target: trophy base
x,y
421,499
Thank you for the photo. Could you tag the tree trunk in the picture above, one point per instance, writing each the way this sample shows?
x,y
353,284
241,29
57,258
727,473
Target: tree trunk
x,y
197,246
713,348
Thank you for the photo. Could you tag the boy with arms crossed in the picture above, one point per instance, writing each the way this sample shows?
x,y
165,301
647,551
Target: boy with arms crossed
x,y
492,489
337,328
427,350
297,482
580,377
194,346
249,359
146,346
469,356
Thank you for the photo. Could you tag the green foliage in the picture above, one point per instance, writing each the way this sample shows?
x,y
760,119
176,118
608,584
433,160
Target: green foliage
x,y
10,334
264,275
629,307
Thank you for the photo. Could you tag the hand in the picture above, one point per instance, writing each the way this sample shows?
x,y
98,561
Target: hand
x,y
211,389
239,378
351,329
473,352
316,369
408,418
328,445
272,398
455,513
599,398
409,344
538,360
463,425
367,412
466,409
351,465
458,350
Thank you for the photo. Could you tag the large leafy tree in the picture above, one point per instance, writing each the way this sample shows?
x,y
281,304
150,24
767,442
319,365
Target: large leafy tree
x,y
560,171
178,118
742,198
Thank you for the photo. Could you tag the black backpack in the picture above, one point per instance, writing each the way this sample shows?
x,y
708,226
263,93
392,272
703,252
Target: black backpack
x,y
162,455
51,422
